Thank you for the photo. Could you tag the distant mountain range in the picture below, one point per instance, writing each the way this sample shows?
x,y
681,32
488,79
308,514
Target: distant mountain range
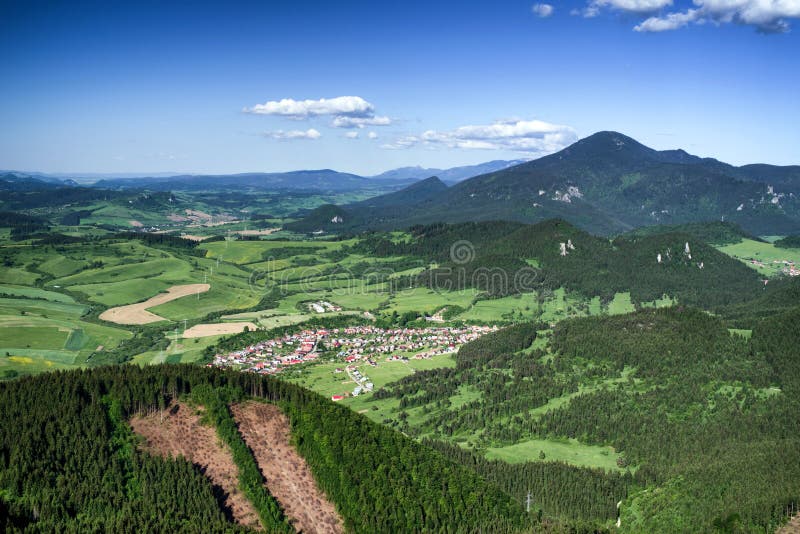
x,y
307,180
324,180
450,176
607,183
16,181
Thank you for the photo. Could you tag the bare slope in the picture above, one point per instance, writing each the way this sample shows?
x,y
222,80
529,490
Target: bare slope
x,y
266,431
180,433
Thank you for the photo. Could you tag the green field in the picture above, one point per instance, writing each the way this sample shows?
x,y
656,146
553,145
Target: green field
x,y
13,275
424,299
50,296
769,258
741,332
322,378
245,252
180,351
34,319
35,293
555,306
517,307
568,451
22,363
621,304
660,303
32,337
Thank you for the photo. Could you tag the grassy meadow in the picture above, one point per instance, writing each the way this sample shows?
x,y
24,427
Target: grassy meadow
x,y
765,258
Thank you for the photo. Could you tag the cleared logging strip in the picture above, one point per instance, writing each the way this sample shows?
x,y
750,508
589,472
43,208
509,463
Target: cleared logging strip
x,y
251,481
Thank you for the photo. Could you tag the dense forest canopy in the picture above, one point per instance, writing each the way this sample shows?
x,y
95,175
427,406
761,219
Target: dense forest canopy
x,y
69,462
790,241
498,255
703,417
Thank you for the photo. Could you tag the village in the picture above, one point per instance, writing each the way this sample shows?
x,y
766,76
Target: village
x,y
352,346
786,267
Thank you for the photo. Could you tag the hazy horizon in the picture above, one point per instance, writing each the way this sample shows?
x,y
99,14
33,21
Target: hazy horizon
x,y
97,175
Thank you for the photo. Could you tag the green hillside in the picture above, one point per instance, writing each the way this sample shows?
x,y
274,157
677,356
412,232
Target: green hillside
x,y
696,418
711,232
508,258
69,462
607,184
791,241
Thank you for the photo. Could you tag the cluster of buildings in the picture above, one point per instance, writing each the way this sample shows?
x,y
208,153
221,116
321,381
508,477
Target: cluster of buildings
x,y
785,266
789,268
353,345
364,384
363,343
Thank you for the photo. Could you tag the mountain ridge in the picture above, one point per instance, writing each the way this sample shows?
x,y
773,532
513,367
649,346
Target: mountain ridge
x,y
301,179
610,183
450,175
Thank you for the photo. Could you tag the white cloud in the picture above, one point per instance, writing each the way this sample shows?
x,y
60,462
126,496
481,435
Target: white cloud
x,y
671,21
341,106
767,16
764,14
588,12
347,111
637,6
400,143
351,135
372,135
594,7
542,10
360,122
311,133
537,137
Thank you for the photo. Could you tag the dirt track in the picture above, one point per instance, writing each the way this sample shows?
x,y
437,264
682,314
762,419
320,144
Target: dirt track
x,y
266,430
138,314
215,329
792,527
182,434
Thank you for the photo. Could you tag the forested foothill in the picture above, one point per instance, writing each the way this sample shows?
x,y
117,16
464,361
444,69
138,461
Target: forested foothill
x,y
702,419
69,461
677,264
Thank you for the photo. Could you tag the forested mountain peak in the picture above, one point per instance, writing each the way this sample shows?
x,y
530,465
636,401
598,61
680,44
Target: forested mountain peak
x,y
609,183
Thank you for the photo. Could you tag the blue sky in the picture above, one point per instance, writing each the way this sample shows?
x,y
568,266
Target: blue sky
x,y
197,87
